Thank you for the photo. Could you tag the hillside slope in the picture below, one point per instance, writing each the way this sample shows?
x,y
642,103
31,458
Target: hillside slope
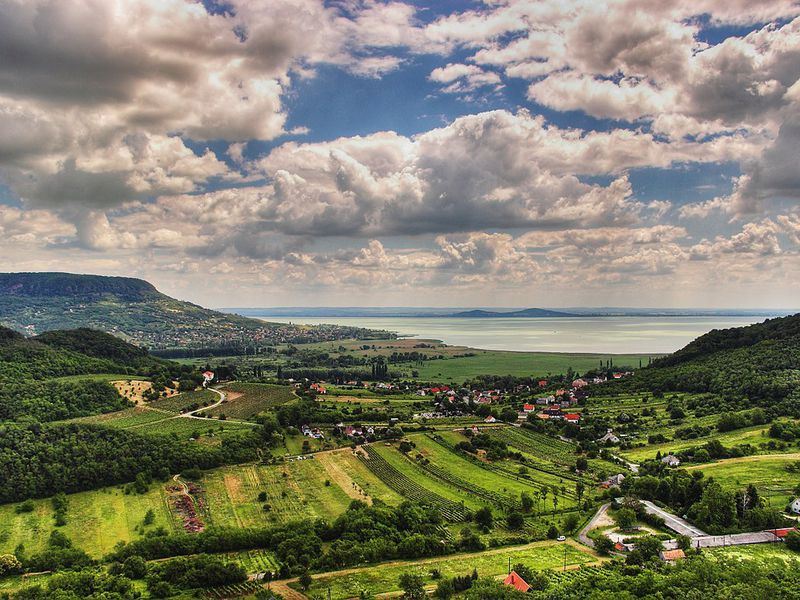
x,y
757,365
134,310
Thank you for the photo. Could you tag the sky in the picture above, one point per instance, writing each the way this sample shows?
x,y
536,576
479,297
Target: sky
x,y
407,153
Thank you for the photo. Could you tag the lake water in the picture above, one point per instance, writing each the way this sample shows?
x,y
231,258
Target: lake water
x,y
618,335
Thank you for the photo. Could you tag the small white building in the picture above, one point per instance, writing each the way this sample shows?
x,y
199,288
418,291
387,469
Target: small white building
x,y
609,437
671,460
795,506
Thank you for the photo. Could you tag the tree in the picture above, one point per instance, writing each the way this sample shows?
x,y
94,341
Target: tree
x,y
716,509
552,533
9,564
603,545
305,580
445,589
515,520
625,518
580,488
134,567
412,586
149,517
526,501
571,522
646,547
484,517
581,464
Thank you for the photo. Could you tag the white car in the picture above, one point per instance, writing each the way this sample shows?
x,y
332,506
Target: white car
x,y
561,538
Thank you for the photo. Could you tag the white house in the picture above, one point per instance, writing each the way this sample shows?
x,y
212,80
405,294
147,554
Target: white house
x,y
609,437
671,460
795,506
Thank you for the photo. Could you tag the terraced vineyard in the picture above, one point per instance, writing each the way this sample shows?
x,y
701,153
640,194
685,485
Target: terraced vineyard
x,y
410,489
512,479
245,400
541,446
255,561
448,477
562,577
246,588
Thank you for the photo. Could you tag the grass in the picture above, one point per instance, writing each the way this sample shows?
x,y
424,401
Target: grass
x,y
294,491
490,480
184,400
755,435
96,520
357,472
491,362
757,552
767,473
492,563
246,400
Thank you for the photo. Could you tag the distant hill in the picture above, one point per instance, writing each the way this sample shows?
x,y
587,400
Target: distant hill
x,y
134,310
526,312
716,340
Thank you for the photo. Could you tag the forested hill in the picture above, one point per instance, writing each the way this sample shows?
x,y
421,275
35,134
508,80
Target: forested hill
x,y
33,303
37,376
744,367
715,340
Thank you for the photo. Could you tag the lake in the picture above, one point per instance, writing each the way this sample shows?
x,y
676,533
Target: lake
x,y
618,335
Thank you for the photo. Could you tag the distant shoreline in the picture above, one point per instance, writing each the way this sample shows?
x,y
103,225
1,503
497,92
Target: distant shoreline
x,y
496,313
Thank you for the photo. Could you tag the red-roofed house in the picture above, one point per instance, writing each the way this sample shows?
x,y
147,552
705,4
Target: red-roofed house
x,y
528,408
782,532
671,555
489,419
543,383
208,377
572,417
516,582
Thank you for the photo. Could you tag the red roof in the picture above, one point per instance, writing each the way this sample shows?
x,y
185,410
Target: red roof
x,y
528,407
516,581
572,417
782,532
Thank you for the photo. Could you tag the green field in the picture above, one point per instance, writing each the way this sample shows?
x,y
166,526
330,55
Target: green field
x,y
492,563
767,472
757,552
246,400
755,436
294,491
96,520
488,362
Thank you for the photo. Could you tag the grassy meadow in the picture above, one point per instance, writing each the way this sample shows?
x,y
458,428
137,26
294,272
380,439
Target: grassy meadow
x,y
491,563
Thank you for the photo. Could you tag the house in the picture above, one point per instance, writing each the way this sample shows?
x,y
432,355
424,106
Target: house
x,y
609,437
475,430
319,388
528,407
208,377
782,532
579,383
490,419
572,417
614,481
795,506
671,460
516,582
542,383
671,556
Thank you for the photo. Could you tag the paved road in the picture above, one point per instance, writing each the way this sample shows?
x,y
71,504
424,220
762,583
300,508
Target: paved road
x,y
674,522
582,536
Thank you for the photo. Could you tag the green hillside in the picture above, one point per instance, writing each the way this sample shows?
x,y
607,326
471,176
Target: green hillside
x,y
134,310
758,365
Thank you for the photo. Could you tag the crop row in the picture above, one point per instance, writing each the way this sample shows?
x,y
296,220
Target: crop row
x,y
450,478
505,471
408,488
237,589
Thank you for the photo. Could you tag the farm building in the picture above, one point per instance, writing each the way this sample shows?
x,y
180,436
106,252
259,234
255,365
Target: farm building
x,y
671,556
516,582
671,460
